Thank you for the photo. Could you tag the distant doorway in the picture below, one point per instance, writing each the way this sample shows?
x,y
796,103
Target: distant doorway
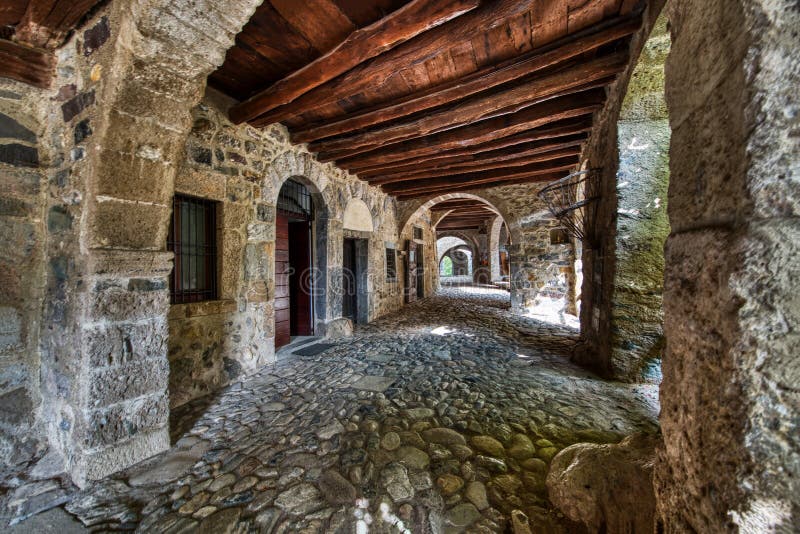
x,y
355,292
420,273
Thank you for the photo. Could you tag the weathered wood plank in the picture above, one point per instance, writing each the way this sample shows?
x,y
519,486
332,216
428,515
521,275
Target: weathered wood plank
x,y
47,22
484,106
361,45
477,178
487,130
24,64
11,11
508,163
485,79
544,178
548,133
377,70
319,21
473,160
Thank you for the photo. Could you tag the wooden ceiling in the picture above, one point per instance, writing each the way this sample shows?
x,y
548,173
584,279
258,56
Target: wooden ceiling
x,y
464,214
425,97
30,30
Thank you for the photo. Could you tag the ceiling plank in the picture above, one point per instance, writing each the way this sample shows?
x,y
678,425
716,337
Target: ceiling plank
x,y
47,22
503,164
456,204
11,11
467,161
485,106
468,187
477,178
482,80
24,64
321,22
487,130
544,134
377,70
405,23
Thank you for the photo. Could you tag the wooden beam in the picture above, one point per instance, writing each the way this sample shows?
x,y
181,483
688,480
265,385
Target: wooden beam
x,y
477,178
374,72
25,64
468,187
47,23
510,165
398,27
488,130
482,107
494,157
456,204
487,78
550,133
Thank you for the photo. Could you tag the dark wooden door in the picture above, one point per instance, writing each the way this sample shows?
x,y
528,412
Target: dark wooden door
x,y
420,273
349,281
411,271
282,269
301,279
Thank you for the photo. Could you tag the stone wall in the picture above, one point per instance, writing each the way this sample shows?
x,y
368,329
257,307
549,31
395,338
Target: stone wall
x,y
622,260
242,168
23,232
730,405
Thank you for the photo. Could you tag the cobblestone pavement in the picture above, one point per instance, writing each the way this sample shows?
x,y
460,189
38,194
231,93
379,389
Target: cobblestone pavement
x,y
440,418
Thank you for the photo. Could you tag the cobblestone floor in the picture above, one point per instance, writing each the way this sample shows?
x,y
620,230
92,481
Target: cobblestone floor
x,y
440,418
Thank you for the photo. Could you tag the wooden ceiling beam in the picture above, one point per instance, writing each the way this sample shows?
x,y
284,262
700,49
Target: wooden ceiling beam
x,y
374,72
510,160
487,78
477,178
488,130
549,133
392,30
47,23
33,66
468,187
485,106
456,204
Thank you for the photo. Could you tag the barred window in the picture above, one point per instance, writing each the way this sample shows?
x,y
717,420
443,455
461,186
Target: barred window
x,y
391,265
417,232
193,239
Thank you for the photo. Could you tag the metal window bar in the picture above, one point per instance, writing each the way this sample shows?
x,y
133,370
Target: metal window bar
x,y
391,265
192,238
294,200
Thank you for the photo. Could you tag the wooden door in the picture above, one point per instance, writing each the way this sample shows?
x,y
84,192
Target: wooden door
x,y
300,280
411,271
282,269
420,272
349,281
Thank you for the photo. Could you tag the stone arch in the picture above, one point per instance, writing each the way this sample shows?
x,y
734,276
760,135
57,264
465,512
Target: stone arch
x,y
445,243
494,247
415,208
357,216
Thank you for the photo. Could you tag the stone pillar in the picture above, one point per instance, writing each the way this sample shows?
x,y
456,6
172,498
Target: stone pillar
x,y
641,218
730,401
494,248
157,73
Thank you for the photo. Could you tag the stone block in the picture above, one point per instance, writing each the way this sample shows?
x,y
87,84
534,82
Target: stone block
x,y
99,464
96,36
128,381
16,407
129,225
11,129
131,177
119,423
117,344
116,303
10,327
75,106
19,155
201,184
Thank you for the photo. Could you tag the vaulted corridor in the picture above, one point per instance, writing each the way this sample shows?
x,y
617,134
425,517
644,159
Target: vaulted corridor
x,y
445,414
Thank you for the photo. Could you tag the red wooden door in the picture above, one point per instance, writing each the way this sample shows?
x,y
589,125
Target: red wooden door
x,y
301,278
282,268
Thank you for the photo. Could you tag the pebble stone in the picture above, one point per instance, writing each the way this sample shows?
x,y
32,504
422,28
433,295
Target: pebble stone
x,y
440,417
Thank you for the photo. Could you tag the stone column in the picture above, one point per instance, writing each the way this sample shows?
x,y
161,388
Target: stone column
x,y
730,401
157,73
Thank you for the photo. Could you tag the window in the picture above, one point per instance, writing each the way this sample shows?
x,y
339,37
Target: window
x,y
193,239
391,265
417,232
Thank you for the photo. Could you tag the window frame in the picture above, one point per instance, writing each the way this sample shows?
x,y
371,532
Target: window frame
x,y
200,245
391,270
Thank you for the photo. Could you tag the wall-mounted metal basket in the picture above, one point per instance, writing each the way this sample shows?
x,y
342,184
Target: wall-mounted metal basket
x,y
569,200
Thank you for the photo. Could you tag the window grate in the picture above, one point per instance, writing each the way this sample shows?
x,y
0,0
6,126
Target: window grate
x,y
391,265
294,199
417,232
193,239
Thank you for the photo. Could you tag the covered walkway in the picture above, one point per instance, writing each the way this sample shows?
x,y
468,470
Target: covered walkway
x,y
444,414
